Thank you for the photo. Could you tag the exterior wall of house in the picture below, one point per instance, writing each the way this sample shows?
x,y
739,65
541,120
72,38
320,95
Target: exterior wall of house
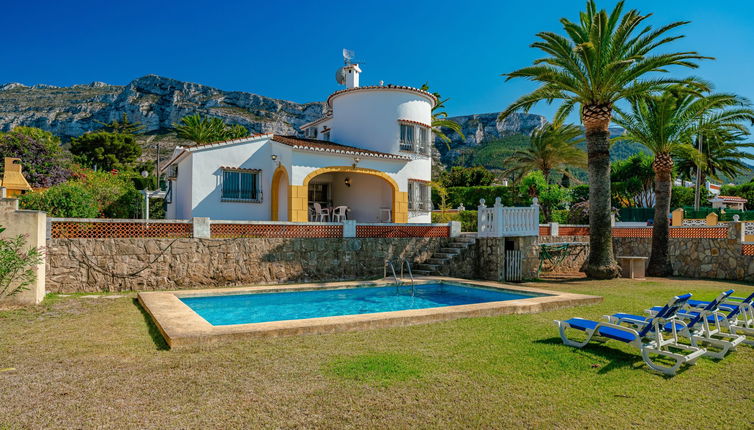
x,y
368,118
207,185
182,190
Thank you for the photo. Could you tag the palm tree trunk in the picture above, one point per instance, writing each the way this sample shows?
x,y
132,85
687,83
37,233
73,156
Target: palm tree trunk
x,y
659,261
601,263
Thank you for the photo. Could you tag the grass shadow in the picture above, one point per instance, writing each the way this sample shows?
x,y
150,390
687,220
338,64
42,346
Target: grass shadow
x,y
154,332
616,358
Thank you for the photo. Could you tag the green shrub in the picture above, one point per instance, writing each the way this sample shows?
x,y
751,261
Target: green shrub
x,y
469,196
468,219
67,200
88,195
580,193
17,263
560,216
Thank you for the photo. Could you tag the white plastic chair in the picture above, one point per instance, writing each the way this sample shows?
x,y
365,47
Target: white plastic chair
x,y
339,213
322,215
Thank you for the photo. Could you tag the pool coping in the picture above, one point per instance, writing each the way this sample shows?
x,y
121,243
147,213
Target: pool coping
x,y
182,327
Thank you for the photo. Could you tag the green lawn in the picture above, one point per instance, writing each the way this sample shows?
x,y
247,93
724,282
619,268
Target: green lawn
x,y
98,362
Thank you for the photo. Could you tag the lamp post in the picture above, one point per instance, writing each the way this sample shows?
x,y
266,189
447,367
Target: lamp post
x,y
145,174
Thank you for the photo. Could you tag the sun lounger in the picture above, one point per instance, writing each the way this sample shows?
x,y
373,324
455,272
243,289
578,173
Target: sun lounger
x,y
648,338
736,315
704,325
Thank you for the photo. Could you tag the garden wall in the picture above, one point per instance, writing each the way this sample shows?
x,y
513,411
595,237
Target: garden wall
x,y
720,257
119,264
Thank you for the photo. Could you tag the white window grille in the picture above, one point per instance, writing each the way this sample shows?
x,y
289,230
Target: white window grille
x,y
407,137
419,196
424,145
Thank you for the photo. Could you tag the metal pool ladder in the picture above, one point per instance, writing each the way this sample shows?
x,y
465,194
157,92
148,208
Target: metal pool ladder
x,y
411,275
389,263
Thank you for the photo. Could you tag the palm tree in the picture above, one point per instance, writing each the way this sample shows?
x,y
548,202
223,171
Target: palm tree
x,y
552,148
440,119
666,124
605,58
207,130
721,157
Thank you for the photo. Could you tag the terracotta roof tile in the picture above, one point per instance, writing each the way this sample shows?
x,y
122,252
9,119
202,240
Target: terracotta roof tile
x,y
326,146
408,121
382,87
222,142
732,198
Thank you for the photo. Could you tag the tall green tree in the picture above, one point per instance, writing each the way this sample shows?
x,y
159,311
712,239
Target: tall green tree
x,y
466,177
633,181
106,151
666,124
124,126
721,158
440,119
552,149
201,130
604,57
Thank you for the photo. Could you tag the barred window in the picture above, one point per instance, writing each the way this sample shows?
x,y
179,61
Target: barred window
x,y
424,144
419,196
241,185
407,137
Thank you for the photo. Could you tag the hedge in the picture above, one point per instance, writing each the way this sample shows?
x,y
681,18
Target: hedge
x,y
469,196
467,218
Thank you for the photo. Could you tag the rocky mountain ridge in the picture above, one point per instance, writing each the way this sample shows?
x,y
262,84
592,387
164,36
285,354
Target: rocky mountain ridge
x,y
155,101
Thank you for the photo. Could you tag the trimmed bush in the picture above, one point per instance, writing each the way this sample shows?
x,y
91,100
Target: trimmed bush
x,y
468,219
66,200
560,216
469,196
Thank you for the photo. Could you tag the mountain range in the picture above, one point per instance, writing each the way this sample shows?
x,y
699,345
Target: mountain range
x,y
158,102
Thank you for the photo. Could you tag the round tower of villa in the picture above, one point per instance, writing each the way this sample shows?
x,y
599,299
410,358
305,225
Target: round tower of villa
x,y
370,117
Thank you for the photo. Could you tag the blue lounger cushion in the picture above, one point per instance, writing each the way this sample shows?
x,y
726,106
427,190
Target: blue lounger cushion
x,y
691,314
668,327
705,303
609,332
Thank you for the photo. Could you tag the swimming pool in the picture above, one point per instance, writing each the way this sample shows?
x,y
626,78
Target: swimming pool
x,y
201,317
296,305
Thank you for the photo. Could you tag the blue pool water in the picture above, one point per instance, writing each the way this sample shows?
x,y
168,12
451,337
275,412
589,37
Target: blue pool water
x,y
294,305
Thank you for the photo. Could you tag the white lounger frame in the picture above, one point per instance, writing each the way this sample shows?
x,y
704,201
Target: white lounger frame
x,y
657,345
715,337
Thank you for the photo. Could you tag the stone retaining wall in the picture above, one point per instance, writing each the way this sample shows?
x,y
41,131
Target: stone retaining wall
x,y
714,258
83,265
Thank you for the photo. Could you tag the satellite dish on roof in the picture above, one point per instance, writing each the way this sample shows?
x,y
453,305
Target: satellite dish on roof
x,y
348,55
340,76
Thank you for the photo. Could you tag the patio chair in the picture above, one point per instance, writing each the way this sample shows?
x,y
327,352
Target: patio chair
x,y
734,314
339,213
694,325
320,214
648,338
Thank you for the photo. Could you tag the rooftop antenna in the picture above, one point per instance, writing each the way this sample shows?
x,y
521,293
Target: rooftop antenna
x,y
340,74
348,55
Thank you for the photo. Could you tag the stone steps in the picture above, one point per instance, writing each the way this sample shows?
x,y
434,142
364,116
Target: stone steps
x,y
443,256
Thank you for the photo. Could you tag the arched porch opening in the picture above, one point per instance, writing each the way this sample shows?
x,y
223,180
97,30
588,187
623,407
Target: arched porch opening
x,y
367,193
279,200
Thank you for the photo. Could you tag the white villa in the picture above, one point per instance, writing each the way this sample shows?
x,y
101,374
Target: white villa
x,y
368,158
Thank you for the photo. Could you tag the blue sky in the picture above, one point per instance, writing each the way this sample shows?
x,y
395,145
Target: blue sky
x,y
291,49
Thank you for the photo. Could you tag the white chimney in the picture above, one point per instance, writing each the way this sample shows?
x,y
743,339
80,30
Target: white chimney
x,y
352,75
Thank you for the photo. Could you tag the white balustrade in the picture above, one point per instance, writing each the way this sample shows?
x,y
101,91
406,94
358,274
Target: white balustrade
x,y
501,221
